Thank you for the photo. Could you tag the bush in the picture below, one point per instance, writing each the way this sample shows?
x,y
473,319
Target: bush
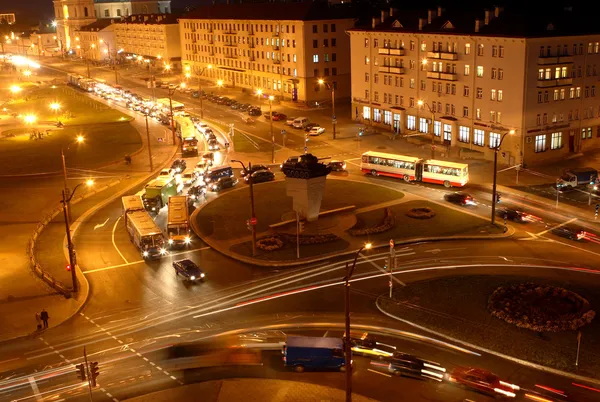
x,y
271,243
540,308
421,213
386,224
310,239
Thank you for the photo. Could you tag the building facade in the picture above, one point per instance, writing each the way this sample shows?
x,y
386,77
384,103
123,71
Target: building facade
x,y
7,18
468,82
281,48
96,41
125,8
151,37
70,15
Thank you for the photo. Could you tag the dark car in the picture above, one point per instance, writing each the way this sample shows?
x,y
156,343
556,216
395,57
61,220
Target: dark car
x,y
226,101
223,183
198,191
279,116
337,166
570,232
244,107
516,215
254,111
235,105
189,270
178,165
403,364
309,126
268,115
213,144
254,168
260,176
459,198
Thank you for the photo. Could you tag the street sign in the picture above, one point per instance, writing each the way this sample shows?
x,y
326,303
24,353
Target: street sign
x,y
159,139
253,221
283,132
433,147
391,284
333,117
334,121
305,149
392,243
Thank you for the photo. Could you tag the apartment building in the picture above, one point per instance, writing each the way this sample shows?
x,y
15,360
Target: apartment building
x,y
152,37
7,18
471,79
96,41
125,8
281,48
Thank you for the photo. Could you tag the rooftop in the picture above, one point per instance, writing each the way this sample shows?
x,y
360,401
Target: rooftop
x,y
97,25
293,11
150,19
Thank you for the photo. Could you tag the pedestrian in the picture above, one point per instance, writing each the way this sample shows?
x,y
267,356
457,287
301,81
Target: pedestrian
x,y
38,319
127,159
44,316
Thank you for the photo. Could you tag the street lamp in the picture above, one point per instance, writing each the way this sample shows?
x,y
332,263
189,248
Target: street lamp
x,y
422,103
347,345
30,118
55,106
494,193
79,140
247,173
271,97
27,73
72,261
167,67
15,89
199,73
332,89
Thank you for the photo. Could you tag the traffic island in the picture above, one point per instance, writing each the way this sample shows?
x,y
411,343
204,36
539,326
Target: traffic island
x,y
465,308
352,213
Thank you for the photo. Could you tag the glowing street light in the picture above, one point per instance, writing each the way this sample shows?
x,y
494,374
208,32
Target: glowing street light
x,y
15,89
80,139
182,85
55,106
219,83
168,67
259,92
188,75
27,73
30,119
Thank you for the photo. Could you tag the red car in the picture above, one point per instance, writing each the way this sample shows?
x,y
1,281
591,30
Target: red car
x,y
483,381
279,116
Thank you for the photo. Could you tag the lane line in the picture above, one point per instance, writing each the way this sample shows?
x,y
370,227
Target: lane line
x,y
366,259
556,227
36,390
113,240
378,372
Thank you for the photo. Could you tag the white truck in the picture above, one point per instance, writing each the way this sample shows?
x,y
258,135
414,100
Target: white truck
x,y
178,222
131,203
577,177
146,236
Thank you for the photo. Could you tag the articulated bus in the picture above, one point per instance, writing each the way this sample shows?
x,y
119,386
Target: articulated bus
x,y
410,168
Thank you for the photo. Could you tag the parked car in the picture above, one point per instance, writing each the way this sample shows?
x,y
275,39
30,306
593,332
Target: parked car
x,y
460,198
516,215
254,111
570,232
279,116
223,183
268,116
290,121
243,107
403,364
309,126
178,165
189,270
253,169
483,381
316,130
260,176
337,166
235,105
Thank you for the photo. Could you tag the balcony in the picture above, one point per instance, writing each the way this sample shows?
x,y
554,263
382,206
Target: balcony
x,y
229,32
390,51
391,69
439,75
545,61
276,33
231,56
251,45
276,61
250,32
559,82
442,55
275,47
230,44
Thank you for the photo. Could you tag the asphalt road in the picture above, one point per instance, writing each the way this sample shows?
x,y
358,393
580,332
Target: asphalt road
x,y
138,308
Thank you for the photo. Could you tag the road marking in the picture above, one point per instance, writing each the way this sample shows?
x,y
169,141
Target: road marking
x,y
140,261
9,360
113,240
102,224
378,372
534,237
383,270
36,390
556,227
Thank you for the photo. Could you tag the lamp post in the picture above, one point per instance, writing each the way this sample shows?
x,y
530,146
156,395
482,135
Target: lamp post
x,y
55,106
347,346
149,145
79,140
198,74
252,213
494,194
65,201
171,92
423,103
271,128
331,87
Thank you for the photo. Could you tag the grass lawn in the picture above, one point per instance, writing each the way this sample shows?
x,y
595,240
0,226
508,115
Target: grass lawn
x,y
249,144
76,108
288,251
103,144
457,306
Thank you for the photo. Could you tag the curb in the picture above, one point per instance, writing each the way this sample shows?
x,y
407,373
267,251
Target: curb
x,y
489,351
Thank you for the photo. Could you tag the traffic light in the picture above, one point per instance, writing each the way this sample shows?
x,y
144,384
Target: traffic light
x,y
81,372
248,225
94,373
68,267
300,226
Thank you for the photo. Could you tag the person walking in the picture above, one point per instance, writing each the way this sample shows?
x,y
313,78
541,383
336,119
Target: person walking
x,y
38,319
44,316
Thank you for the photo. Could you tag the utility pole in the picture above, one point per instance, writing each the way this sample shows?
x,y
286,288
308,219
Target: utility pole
x,y
149,145
252,212
171,111
66,188
271,124
89,376
347,346
333,118
69,243
391,266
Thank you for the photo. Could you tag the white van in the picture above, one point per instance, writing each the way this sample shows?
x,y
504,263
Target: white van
x,y
300,122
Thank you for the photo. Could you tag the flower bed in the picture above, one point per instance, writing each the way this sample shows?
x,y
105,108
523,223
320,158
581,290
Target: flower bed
x,y
386,224
421,213
309,239
540,308
269,243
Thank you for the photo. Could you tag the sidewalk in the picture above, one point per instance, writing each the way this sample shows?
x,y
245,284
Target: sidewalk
x,y
250,390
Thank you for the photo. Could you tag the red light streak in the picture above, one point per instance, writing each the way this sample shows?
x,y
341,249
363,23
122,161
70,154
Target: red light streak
x,y
556,391
586,387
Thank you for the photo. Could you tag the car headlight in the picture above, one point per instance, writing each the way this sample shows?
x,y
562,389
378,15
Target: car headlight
x,y
202,275
163,251
193,277
193,197
187,240
214,186
154,208
170,241
145,254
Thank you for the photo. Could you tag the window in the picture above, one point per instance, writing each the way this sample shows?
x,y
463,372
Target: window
x,y
333,56
545,118
540,143
366,112
315,44
376,78
578,92
411,122
479,93
480,71
540,97
376,114
367,94
315,29
412,102
412,45
587,92
423,46
541,74
493,116
494,140
571,93
376,96
316,74
564,72
467,48
466,91
465,111
326,57
315,58
478,114
106,13
493,94
412,83
464,133
423,85
494,73
387,116
366,77
326,72
366,42
545,96
500,95
479,137
556,94
367,60
376,43
494,51
334,72
333,42
480,50
556,140
325,28
423,125
500,74
593,90
562,94
467,69
500,51
332,27
538,120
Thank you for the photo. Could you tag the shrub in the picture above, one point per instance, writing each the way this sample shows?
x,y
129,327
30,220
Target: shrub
x,y
386,224
421,213
271,243
309,239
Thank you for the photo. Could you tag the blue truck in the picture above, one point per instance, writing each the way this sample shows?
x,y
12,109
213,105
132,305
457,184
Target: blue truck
x,y
314,353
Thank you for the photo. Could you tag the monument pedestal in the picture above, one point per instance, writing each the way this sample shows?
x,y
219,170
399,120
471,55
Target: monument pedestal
x,y
307,195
